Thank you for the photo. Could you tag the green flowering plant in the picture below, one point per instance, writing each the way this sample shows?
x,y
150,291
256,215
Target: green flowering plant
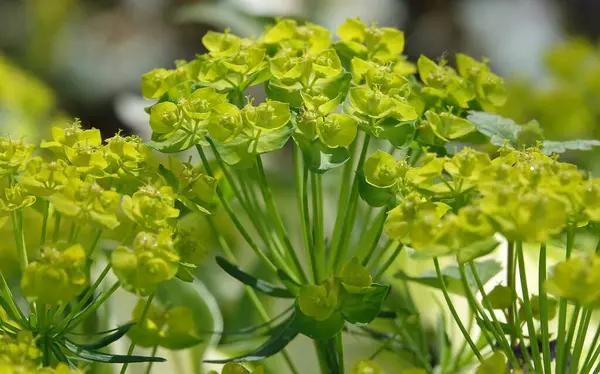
x,y
422,162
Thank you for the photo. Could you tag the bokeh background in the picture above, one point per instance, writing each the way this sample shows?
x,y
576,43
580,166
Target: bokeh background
x,y
61,59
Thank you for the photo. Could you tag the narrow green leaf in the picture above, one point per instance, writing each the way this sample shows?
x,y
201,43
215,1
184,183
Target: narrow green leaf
x,y
486,270
363,307
109,339
249,280
95,356
282,336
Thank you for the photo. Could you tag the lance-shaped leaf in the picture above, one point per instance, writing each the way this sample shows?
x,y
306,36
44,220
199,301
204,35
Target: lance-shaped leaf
x,y
249,280
282,336
114,335
451,274
91,355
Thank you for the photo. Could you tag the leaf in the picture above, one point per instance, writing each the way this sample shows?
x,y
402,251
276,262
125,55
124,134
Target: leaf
x,y
476,250
486,270
363,307
249,280
282,336
496,364
272,140
318,330
109,339
318,157
95,356
372,195
256,78
506,328
204,309
286,94
401,134
496,127
552,146
335,86
235,153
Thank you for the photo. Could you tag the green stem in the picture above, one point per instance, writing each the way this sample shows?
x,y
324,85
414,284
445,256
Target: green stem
x,y
478,310
274,213
562,310
19,239
76,321
488,305
140,322
386,265
339,252
543,297
10,299
521,342
579,341
373,235
44,222
342,204
94,244
319,236
339,349
591,360
56,233
510,283
153,354
301,178
535,350
232,216
461,326
589,356
249,291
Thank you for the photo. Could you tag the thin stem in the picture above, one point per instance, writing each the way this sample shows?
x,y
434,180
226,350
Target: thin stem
x,y
543,299
339,348
274,213
589,362
19,239
232,216
339,252
453,310
10,299
386,265
318,237
153,354
478,310
535,350
589,356
73,323
569,340
140,322
342,204
249,291
373,235
510,283
56,233
301,176
44,222
562,310
581,334
94,244
488,305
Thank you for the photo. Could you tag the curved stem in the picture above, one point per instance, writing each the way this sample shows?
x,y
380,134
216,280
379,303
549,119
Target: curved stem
x,y
301,178
461,326
232,216
543,297
562,310
141,321
386,265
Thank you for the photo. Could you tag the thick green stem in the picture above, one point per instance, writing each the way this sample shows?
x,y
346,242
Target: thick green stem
x,y
339,349
543,297
510,283
232,216
562,311
318,230
140,322
7,295
535,350
580,339
17,222
455,315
